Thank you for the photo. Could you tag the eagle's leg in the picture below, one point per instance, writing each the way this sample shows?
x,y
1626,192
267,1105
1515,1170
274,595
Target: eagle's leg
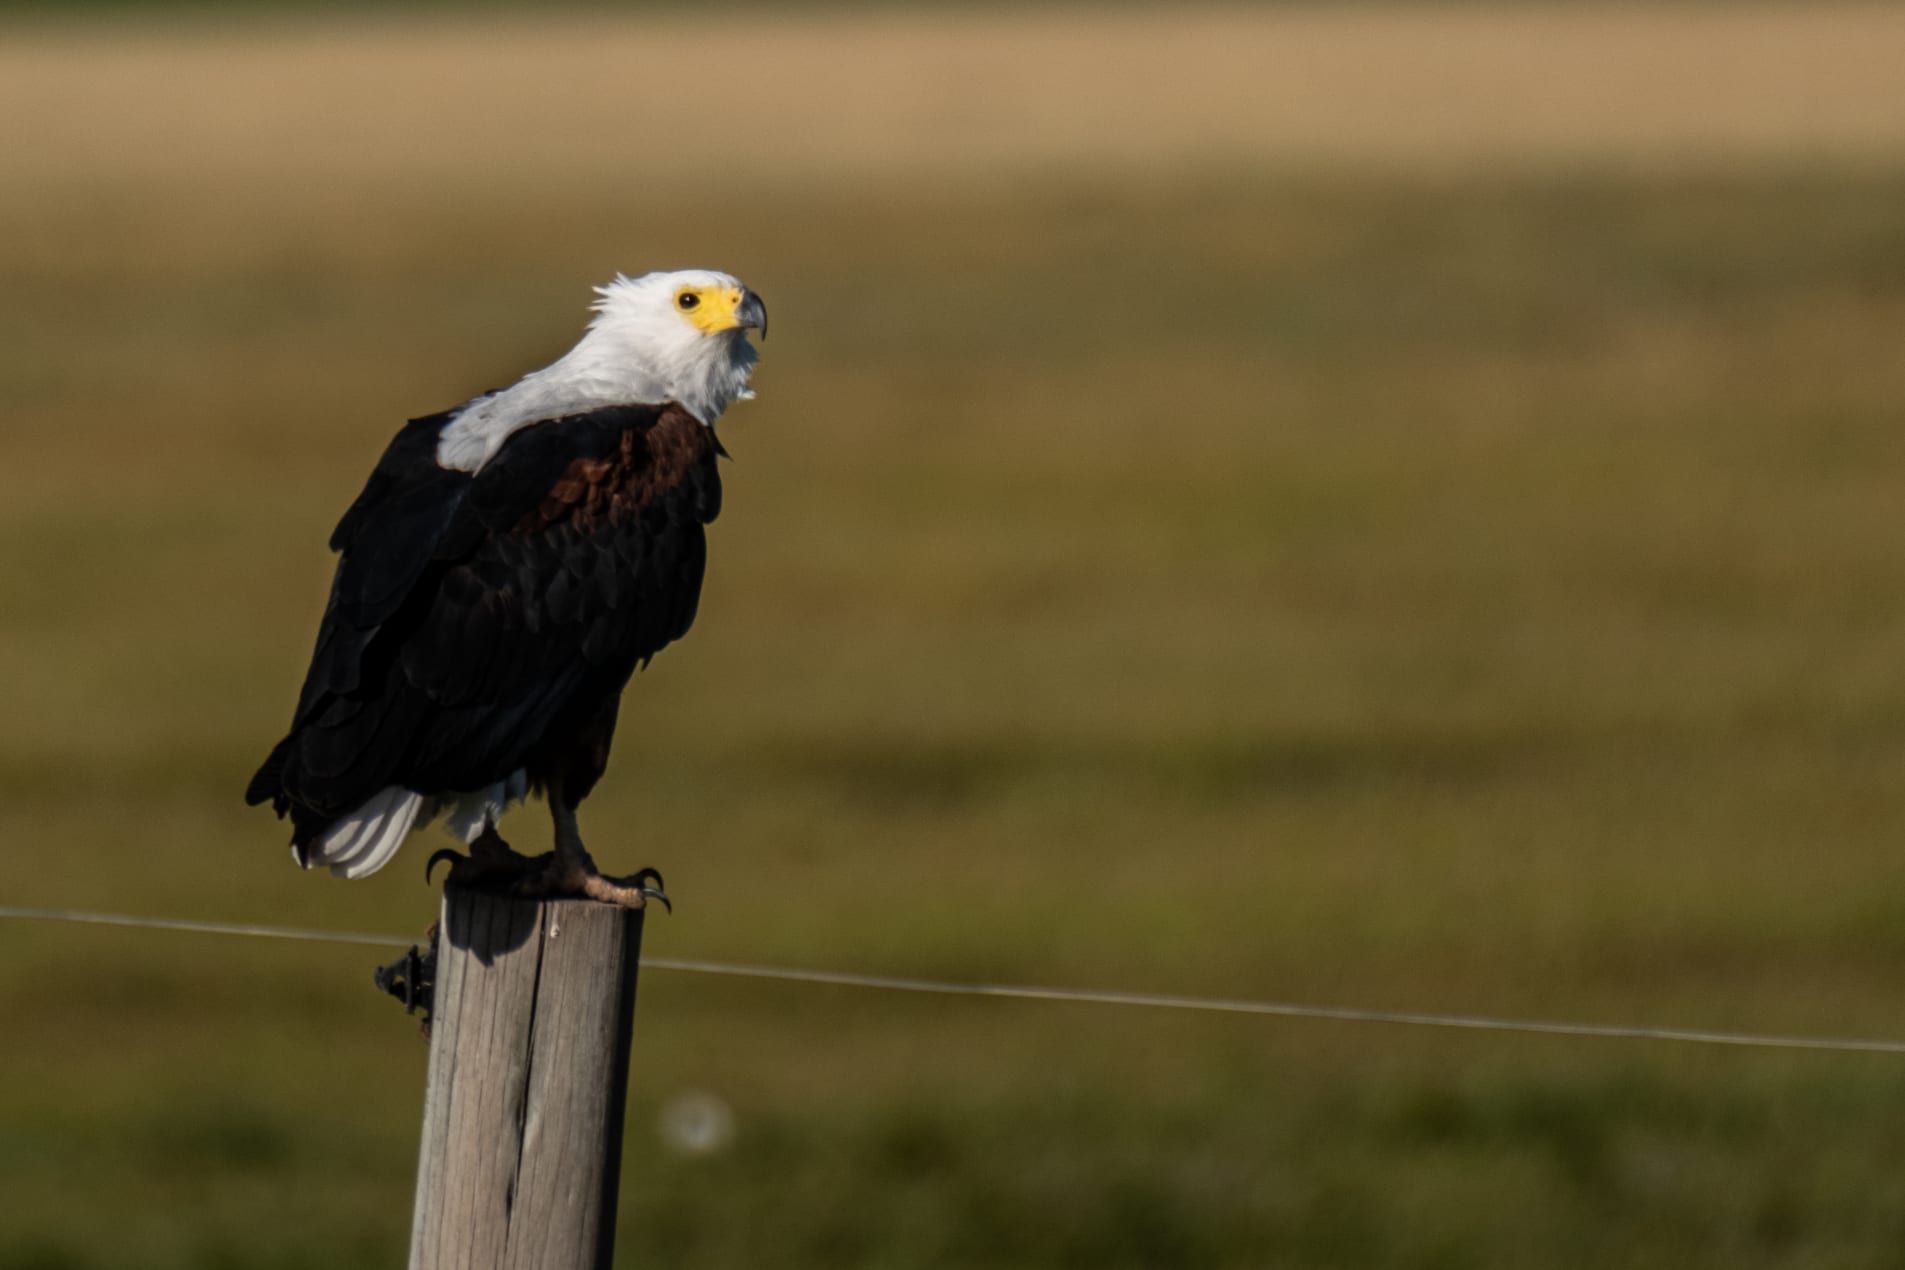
x,y
570,871
490,863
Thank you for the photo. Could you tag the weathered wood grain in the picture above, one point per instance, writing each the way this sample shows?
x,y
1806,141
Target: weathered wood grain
x,y
529,1048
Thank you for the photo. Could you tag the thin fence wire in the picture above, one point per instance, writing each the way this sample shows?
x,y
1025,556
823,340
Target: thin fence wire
x,y
1081,996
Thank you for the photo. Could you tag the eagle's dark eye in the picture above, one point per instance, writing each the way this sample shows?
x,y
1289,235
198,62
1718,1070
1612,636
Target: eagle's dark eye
x,y
687,300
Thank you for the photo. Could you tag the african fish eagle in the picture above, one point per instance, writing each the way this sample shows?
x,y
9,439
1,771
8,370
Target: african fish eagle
x,y
507,567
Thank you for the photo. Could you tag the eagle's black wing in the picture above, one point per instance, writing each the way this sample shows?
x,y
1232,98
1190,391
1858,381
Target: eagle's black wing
x,y
478,624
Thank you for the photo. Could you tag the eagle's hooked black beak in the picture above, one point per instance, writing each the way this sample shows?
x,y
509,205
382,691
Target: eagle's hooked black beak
x,y
752,314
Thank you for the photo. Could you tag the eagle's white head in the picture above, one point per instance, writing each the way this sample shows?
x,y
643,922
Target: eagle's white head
x,y
679,336
687,329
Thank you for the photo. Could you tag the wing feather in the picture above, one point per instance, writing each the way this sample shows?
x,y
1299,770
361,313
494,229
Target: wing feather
x,y
475,622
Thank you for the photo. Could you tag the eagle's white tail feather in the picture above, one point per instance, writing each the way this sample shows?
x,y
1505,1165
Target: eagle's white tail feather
x,y
363,842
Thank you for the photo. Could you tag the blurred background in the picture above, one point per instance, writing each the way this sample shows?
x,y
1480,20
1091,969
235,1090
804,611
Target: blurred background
x,y
1388,505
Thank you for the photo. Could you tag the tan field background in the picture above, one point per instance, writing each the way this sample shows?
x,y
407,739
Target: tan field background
x,y
949,95
1390,507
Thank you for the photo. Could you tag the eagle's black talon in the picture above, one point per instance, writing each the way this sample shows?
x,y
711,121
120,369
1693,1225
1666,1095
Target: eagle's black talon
x,y
454,857
649,883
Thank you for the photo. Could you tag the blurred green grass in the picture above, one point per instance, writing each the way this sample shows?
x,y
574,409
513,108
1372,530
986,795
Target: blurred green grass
x,y
1478,595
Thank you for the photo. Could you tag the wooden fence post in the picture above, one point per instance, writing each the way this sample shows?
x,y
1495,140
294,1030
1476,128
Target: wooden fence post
x,y
534,1007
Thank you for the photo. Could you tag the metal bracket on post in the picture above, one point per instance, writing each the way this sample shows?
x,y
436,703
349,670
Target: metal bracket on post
x,y
412,980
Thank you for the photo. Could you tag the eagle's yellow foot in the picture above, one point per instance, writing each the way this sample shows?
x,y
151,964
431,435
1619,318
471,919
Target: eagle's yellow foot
x,y
492,864
574,874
